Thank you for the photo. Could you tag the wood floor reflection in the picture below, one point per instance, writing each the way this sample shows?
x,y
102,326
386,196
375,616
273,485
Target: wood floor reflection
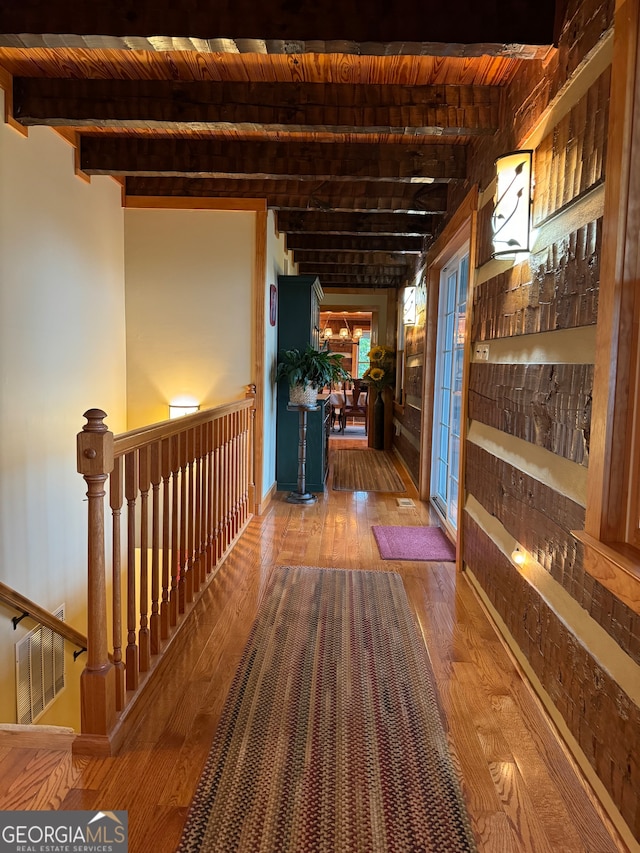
x,y
522,792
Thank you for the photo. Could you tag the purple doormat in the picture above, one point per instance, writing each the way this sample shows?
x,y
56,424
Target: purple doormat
x,y
413,543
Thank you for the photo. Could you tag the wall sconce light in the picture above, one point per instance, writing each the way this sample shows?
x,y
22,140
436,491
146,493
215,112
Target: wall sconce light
x,y
511,220
518,556
178,410
409,314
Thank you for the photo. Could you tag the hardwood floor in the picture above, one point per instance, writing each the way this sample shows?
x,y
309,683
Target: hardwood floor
x,y
522,792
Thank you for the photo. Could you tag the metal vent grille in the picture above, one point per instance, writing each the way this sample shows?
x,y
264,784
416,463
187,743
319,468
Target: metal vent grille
x,y
405,502
40,672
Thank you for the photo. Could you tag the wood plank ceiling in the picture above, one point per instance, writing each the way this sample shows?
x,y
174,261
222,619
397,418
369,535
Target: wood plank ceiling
x,y
351,121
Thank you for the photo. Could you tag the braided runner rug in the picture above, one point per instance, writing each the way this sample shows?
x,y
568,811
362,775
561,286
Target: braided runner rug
x,y
365,471
331,739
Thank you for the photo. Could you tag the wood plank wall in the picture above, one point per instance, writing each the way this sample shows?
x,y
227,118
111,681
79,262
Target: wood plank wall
x,y
529,415
408,417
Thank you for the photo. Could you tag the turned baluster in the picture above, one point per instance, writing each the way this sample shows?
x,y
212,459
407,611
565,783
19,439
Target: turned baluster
x,y
116,499
175,546
165,459
97,684
211,519
182,559
251,453
189,585
225,483
204,530
197,532
244,466
233,475
217,480
156,477
144,472
131,494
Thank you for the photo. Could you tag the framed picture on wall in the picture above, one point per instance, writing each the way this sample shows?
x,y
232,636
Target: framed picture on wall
x,y
273,304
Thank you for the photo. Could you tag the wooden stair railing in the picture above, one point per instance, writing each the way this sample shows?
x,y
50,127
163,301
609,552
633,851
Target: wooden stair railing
x,y
189,488
29,608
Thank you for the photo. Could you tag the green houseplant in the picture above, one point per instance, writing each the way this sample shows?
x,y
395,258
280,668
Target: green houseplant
x,y
308,370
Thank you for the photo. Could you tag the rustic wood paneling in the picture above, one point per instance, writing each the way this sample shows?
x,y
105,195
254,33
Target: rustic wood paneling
x,y
409,455
556,289
413,379
542,519
546,404
602,718
414,340
411,421
571,158
533,86
584,23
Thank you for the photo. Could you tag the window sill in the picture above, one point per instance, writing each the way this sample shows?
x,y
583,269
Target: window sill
x,y
615,565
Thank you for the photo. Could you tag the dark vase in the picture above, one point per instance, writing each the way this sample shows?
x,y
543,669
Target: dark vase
x,y
378,422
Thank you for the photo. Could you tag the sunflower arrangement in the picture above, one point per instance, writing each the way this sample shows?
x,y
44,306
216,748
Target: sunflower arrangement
x,y
381,370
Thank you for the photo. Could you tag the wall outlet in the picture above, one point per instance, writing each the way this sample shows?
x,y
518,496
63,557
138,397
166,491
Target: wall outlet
x,y
482,352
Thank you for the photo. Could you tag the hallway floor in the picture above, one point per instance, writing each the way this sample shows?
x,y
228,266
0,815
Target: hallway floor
x,y
522,792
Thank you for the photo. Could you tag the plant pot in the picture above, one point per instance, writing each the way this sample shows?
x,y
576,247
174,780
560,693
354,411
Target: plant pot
x,y
303,395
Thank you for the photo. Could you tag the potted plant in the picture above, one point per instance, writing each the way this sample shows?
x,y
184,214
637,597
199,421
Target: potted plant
x,y
308,370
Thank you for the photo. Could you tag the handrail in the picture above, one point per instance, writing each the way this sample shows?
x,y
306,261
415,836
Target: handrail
x,y
179,493
136,438
25,605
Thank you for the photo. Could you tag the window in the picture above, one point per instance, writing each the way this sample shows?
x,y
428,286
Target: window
x,y
363,353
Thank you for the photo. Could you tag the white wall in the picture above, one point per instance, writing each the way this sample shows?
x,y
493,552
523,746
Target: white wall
x,y
189,304
62,351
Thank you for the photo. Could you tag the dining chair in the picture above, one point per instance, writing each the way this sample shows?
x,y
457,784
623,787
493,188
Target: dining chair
x,y
355,404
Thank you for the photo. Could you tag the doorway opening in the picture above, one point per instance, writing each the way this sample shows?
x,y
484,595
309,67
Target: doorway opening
x,y
349,332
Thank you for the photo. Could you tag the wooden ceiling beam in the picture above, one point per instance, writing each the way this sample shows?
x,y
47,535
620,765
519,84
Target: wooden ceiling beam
x,y
350,243
410,21
200,105
397,271
379,280
358,196
214,157
376,258
313,221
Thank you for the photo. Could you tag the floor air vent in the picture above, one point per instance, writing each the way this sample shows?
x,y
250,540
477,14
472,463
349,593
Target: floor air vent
x,y
39,671
405,502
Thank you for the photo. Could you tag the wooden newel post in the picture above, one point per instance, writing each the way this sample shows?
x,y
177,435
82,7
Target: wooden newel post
x,y
97,685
